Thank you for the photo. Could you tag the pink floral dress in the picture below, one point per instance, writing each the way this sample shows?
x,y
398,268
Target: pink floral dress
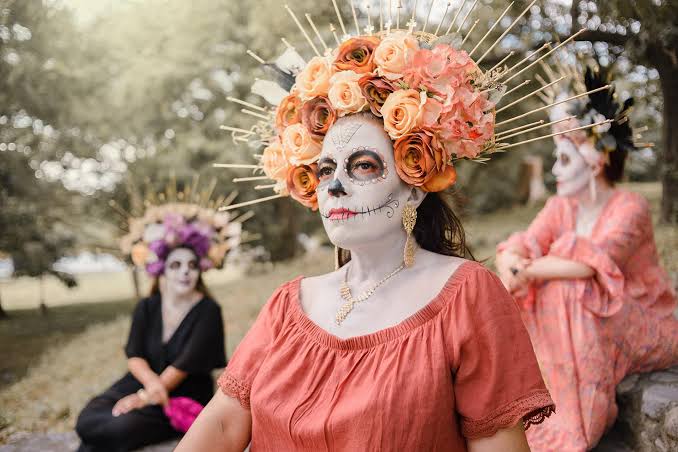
x,y
589,333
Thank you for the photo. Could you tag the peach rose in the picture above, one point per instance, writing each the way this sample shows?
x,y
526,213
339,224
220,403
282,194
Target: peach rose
x,y
273,159
314,80
139,254
392,54
421,162
375,90
401,111
302,182
345,94
288,113
317,115
299,147
356,54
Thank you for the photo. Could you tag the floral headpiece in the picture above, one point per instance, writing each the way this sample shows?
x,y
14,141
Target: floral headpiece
x,y
436,103
182,222
614,131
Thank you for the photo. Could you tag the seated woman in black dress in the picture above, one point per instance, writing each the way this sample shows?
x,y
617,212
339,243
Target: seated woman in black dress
x,y
175,341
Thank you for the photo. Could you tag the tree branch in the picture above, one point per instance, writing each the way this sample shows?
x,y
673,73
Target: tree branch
x,y
588,35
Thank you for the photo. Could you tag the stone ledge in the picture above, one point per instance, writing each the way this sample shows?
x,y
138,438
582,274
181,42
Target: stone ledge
x,y
648,411
62,442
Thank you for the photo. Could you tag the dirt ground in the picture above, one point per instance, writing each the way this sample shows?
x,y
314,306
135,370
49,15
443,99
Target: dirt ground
x,y
51,365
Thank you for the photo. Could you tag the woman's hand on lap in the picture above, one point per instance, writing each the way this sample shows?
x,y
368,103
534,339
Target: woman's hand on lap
x,y
127,404
157,393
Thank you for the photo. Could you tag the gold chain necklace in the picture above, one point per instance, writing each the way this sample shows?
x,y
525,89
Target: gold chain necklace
x,y
350,302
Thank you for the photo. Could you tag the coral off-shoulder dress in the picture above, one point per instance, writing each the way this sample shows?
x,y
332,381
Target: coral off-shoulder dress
x,y
461,367
589,333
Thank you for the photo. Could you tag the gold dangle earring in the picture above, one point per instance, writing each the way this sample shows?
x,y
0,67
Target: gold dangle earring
x,y
409,220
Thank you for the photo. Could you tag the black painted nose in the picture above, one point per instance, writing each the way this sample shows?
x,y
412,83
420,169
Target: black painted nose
x,y
336,189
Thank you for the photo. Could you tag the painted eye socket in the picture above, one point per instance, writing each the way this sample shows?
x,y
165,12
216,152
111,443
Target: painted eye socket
x,y
564,159
174,265
326,168
365,165
193,265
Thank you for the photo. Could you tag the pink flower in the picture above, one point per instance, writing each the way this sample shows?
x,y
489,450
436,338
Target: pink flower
x,y
430,114
439,71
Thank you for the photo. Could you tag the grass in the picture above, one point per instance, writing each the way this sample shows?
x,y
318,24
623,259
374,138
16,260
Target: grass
x,y
53,364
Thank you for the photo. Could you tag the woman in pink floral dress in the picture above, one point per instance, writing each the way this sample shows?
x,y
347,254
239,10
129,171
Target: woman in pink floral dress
x,y
595,300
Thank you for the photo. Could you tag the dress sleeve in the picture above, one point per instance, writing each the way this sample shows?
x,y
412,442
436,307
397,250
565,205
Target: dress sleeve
x,y
135,341
497,381
204,350
539,235
236,381
621,232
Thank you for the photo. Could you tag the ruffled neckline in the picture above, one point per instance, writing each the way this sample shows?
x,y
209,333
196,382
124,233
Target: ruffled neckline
x,y
428,312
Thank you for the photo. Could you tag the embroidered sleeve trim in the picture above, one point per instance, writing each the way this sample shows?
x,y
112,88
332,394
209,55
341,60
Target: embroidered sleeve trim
x,y
233,387
533,409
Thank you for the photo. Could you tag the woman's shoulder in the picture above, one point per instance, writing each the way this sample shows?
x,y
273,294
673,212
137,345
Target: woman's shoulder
x,y
210,305
632,199
472,282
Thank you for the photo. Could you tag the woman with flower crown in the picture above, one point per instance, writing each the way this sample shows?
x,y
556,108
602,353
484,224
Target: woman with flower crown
x,y
407,345
587,278
176,338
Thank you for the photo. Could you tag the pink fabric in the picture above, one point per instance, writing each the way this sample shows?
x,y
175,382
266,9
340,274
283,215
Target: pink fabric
x,y
461,367
182,411
589,333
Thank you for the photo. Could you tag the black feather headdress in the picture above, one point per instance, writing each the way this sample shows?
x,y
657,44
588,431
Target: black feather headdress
x,y
602,104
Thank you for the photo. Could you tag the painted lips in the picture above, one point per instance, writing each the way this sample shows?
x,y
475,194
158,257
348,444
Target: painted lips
x,y
341,214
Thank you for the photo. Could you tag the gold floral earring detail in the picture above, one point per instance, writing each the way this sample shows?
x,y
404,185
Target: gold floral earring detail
x,y
409,220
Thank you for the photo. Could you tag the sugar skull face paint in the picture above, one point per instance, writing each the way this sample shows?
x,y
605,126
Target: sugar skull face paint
x,y
181,271
571,171
360,196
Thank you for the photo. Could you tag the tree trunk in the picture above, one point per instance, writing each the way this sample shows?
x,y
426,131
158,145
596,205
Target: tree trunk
x,y
666,64
3,313
43,306
135,281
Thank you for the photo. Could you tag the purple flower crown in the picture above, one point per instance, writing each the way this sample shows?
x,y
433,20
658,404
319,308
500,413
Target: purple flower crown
x,y
210,235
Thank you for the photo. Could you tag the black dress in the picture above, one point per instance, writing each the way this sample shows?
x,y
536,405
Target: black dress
x,y
196,347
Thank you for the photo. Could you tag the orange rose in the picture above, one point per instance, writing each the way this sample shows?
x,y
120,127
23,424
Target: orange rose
x,y
391,55
273,159
345,94
421,163
314,80
302,182
376,90
401,111
299,147
317,115
356,54
288,113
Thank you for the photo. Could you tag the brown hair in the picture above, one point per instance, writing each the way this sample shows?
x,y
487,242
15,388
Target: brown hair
x,y
614,169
